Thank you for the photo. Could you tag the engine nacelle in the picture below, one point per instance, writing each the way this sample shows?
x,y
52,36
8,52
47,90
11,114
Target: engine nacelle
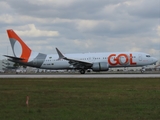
x,y
100,66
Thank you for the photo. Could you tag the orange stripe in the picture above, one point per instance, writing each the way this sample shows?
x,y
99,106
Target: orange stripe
x,y
26,51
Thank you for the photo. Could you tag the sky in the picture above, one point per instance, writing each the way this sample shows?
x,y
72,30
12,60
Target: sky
x,y
79,26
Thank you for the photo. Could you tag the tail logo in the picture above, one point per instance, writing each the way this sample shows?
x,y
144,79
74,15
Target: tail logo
x,y
17,48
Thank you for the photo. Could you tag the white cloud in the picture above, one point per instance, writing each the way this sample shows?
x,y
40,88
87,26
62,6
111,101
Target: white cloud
x,y
110,8
87,44
153,51
4,5
33,31
85,25
6,18
52,2
135,49
158,30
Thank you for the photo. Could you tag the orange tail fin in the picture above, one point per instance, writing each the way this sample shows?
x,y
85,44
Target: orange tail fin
x,y
20,49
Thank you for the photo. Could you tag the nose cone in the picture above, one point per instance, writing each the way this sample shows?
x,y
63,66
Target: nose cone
x,y
154,60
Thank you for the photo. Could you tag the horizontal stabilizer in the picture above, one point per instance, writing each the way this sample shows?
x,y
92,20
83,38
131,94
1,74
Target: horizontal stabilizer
x,y
15,58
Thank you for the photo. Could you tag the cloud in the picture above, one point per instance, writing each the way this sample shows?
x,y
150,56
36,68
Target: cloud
x,y
158,30
34,32
82,26
145,9
6,18
85,25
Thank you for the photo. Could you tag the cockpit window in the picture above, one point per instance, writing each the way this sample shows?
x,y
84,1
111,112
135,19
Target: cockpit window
x,y
148,56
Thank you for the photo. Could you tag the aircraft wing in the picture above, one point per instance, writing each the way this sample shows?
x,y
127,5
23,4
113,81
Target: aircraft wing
x,y
74,62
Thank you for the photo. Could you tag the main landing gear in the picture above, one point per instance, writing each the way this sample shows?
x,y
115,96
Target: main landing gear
x,y
143,70
82,71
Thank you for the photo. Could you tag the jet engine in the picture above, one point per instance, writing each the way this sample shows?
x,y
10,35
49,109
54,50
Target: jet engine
x,y
100,66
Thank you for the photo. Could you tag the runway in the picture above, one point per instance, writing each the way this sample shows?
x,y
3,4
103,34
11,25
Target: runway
x,y
80,76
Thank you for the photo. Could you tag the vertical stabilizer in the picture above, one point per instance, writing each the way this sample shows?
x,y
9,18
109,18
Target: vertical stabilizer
x,y
20,49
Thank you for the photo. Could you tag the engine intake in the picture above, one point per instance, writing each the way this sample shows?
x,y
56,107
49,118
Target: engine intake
x,y
100,66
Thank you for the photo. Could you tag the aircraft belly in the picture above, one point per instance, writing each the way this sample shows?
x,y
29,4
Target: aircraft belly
x,y
56,65
61,65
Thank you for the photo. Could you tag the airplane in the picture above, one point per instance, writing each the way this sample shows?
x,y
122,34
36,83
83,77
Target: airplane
x,y
81,61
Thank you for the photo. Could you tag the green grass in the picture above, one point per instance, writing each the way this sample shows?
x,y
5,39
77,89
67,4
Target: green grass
x,y
80,99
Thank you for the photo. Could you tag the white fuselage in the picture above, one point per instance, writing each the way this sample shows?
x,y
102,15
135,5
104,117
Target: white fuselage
x,y
116,59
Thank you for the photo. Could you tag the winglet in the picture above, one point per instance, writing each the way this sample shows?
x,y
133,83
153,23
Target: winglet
x,y
61,56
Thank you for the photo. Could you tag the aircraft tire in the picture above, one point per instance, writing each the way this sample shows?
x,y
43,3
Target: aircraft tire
x,y
142,71
82,71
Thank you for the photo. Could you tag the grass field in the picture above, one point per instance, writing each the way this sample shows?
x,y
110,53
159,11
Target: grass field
x,y
80,99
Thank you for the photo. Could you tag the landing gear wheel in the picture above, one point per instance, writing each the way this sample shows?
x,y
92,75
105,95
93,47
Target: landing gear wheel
x,y
142,71
82,71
